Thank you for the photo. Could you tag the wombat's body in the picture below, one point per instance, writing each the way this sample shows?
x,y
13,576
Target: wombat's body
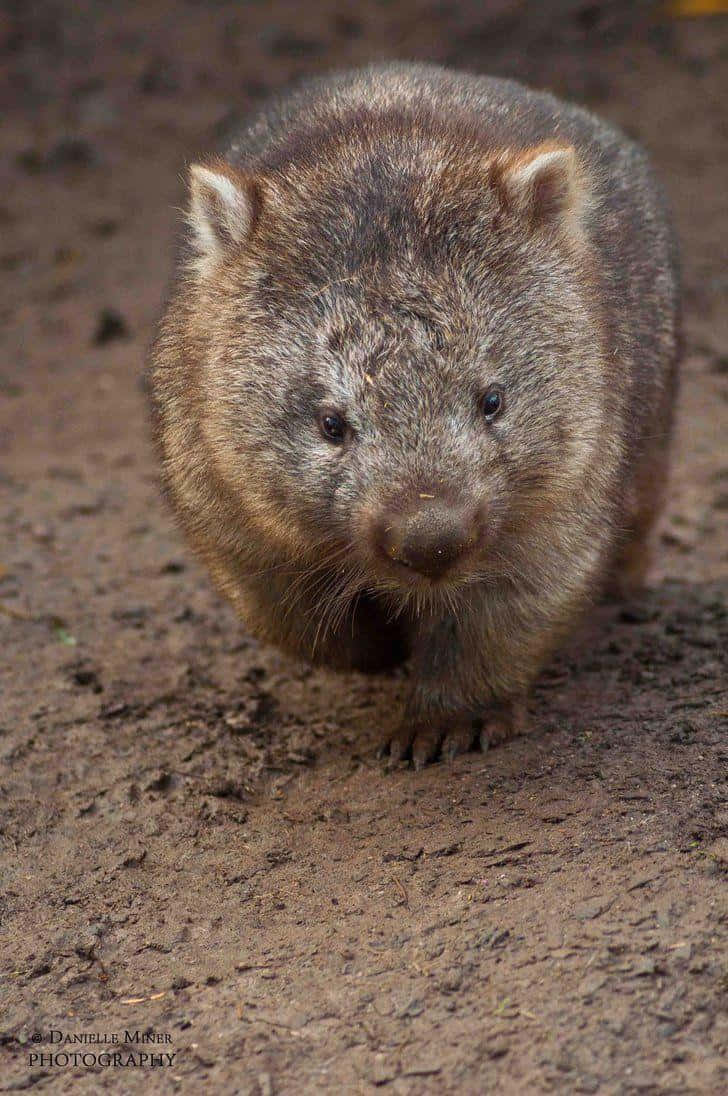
x,y
413,387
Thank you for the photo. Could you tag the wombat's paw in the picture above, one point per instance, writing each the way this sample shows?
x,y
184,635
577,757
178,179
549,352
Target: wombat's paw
x,y
427,741
443,739
500,723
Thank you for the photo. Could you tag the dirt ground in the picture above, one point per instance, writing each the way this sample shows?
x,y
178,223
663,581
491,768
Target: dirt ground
x,y
196,838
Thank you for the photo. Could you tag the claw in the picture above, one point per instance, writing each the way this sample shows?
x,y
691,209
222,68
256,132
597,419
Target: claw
x,y
425,746
459,739
503,723
396,748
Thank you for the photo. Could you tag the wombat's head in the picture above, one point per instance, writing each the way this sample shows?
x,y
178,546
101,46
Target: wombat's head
x,y
401,352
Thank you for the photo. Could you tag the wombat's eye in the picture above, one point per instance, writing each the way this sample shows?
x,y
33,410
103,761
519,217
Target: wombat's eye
x,y
491,404
332,426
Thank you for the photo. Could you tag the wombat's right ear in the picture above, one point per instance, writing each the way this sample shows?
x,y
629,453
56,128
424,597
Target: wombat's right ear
x,y
544,185
222,210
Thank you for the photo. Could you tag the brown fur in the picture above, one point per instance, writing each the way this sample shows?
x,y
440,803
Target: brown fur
x,y
387,244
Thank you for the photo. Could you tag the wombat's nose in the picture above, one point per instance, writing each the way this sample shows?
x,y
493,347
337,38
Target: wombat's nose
x,y
429,540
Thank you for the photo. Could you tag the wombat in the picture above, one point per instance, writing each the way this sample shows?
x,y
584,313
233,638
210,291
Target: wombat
x,y
413,387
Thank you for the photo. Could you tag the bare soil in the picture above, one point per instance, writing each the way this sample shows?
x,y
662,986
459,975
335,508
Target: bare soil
x,y
196,838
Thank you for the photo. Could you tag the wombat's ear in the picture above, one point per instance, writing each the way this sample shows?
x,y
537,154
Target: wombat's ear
x,y
543,184
222,210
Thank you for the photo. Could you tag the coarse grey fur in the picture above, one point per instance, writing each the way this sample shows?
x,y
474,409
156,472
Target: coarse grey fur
x,y
389,244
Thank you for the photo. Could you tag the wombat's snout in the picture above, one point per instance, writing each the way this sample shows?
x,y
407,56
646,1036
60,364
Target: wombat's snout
x,y
428,539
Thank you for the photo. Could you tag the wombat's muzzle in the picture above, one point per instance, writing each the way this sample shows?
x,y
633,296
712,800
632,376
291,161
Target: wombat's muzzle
x,y
429,539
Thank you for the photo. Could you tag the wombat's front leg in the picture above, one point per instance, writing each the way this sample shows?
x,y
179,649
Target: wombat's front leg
x,y
277,606
458,700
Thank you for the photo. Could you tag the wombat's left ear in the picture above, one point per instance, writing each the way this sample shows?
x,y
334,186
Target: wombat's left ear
x,y
222,210
543,184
